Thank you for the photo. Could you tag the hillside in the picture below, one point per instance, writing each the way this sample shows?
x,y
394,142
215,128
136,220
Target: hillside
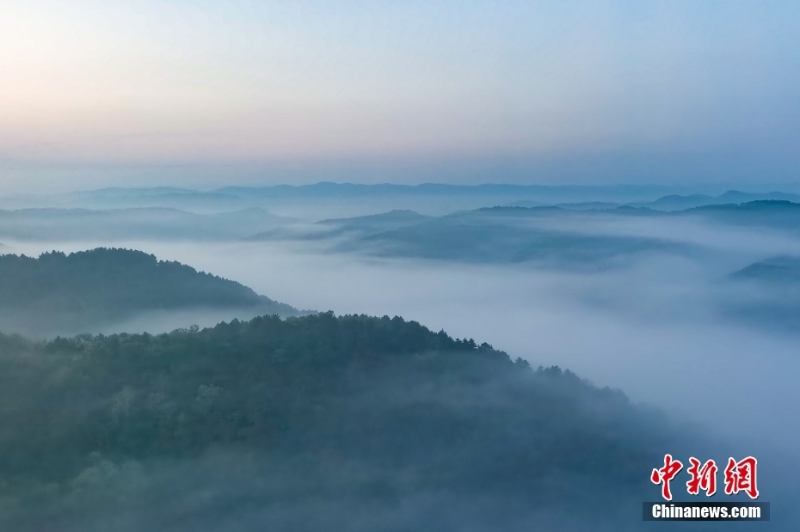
x,y
766,293
507,235
312,423
774,270
59,293
783,215
343,227
377,222
542,236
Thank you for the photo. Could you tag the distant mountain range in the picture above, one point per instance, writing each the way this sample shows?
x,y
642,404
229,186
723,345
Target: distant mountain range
x,y
238,197
671,202
547,235
359,226
488,235
565,235
329,200
775,214
348,199
132,223
678,203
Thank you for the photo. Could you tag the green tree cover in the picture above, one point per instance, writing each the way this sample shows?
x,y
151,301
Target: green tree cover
x,y
102,285
335,414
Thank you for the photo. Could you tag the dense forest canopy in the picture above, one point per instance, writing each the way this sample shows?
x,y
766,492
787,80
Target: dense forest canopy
x,y
310,423
70,291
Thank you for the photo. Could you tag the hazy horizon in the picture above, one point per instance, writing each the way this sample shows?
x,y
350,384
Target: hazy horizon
x,y
538,93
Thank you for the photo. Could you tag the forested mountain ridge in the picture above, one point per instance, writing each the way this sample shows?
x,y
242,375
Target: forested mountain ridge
x,y
57,290
341,423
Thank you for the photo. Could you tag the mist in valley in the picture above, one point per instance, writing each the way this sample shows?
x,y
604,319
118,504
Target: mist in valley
x,y
666,321
656,325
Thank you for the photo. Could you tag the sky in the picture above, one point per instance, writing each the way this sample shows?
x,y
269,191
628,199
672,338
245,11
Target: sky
x,y
206,93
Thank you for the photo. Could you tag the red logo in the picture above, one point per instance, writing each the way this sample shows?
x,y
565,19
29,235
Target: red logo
x,y
703,478
665,474
739,476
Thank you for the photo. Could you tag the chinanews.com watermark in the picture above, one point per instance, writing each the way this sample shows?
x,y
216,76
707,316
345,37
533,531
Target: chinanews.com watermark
x,y
738,477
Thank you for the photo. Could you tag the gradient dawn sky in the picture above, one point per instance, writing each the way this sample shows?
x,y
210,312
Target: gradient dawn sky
x,y
137,92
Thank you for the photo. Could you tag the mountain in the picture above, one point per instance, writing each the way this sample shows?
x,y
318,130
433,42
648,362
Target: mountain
x,y
735,196
581,206
784,270
458,240
542,193
765,293
377,222
59,293
335,200
775,214
342,227
131,224
675,202
313,423
487,235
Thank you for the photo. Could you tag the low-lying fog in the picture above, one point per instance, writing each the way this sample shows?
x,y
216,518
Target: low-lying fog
x,y
654,328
